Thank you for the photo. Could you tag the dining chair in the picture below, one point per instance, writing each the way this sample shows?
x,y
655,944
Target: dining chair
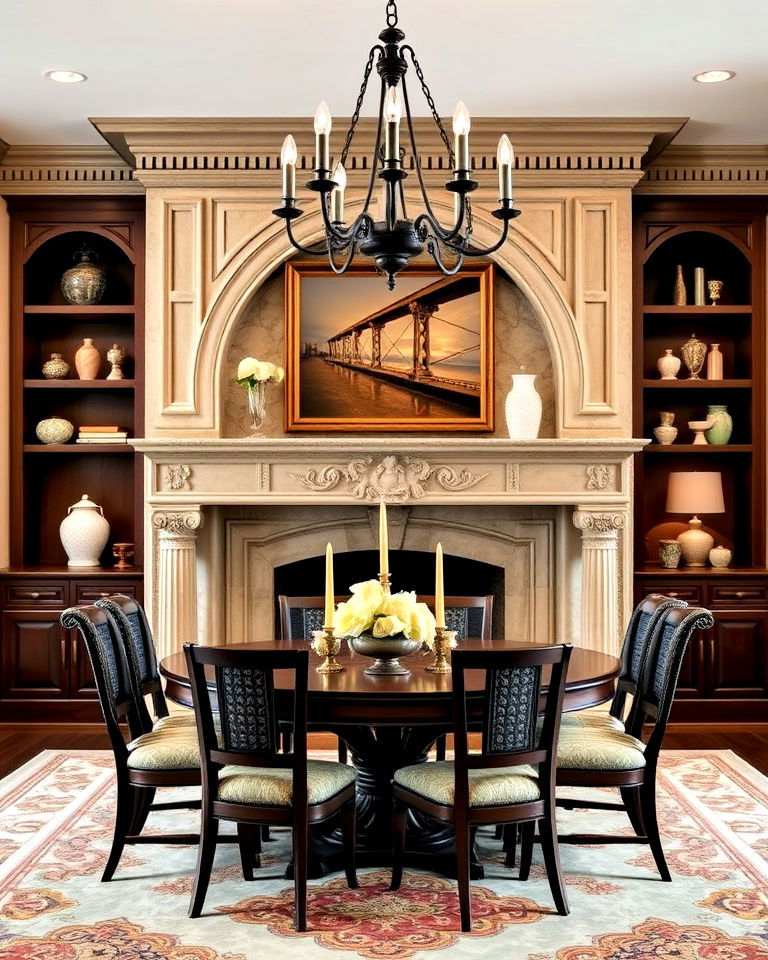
x,y
511,779
167,757
604,757
247,779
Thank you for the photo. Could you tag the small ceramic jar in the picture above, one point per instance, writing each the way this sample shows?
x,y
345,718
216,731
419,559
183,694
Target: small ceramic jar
x,y
669,554
668,365
666,433
720,556
56,368
54,430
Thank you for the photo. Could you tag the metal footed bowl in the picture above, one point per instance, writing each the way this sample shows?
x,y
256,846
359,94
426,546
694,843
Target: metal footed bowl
x,y
385,651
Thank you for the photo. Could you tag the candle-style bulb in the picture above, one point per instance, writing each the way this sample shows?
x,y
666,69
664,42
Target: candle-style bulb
x,y
289,153
392,109
339,176
505,153
461,119
323,119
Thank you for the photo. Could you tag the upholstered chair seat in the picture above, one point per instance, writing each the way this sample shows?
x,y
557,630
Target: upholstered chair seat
x,y
598,748
170,748
487,786
591,721
272,787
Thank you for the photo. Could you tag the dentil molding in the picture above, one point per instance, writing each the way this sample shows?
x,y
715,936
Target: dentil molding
x,y
50,169
692,169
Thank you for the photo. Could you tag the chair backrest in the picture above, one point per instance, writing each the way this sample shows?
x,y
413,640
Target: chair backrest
x,y
634,651
133,630
468,616
243,692
111,673
658,682
510,707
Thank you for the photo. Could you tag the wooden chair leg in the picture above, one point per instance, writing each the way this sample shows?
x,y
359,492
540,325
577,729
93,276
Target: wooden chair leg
x,y
300,840
630,797
141,808
265,834
510,843
440,745
126,801
551,852
342,751
209,830
398,843
526,832
461,829
245,835
648,813
348,831
498,833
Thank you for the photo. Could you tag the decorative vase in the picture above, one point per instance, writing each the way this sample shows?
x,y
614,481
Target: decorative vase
x,y
715,290
698,287
87,360
668,365
56,368
669,554
522,408
257,406
666,433
115,356
720,556
698,427
695,544
721,424
694,352
385,651
84,533
54,430
84,283
680,297
714,362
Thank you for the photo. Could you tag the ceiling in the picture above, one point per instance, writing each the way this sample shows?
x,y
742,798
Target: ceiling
x,y
199,58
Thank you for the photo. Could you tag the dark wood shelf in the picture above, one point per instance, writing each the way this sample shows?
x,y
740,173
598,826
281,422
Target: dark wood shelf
x,y
709,448
81,573
656,570
74,310
692,311
79,384
78,448
696,384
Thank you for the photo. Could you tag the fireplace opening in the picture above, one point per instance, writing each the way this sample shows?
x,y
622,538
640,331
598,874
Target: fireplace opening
x,y
409,570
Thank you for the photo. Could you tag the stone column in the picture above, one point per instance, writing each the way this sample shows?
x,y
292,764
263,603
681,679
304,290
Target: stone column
x,y
600,627
176,587
376,344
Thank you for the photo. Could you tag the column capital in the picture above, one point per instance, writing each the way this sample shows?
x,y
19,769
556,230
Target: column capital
x,y
184,523
598,521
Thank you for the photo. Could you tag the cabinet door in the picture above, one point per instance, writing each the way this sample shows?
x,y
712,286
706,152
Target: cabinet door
x,y
35,655
82,684
693,674
738,655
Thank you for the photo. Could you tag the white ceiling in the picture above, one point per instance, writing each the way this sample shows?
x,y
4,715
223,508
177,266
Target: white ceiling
x,y
503,57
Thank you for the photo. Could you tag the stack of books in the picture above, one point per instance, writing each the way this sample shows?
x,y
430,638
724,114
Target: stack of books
x,y
102,435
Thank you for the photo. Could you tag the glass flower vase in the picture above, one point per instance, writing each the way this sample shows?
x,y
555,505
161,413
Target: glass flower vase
x,y
257,406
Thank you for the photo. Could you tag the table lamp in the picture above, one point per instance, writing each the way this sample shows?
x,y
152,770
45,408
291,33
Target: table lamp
x,y
695,492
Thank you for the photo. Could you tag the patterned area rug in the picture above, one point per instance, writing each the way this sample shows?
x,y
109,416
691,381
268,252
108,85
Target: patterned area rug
x,y
55,831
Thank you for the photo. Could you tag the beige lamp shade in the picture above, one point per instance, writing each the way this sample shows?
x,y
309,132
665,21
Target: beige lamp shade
x,y
695,492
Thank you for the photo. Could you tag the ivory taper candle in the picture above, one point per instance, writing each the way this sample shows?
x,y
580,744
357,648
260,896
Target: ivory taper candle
x,y
383,540
439,590
329,592
323,125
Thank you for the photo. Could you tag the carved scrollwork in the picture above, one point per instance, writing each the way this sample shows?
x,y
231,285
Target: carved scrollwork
x,y
393,479
176,476
589,522
599,475
178,524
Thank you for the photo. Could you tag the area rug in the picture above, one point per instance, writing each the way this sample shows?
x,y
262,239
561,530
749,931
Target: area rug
x,y
55,831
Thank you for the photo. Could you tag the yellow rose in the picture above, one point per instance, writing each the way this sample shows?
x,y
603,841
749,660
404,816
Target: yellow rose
x,y
250,368
399,605
422,624
279,375
387,626
350,620
370,593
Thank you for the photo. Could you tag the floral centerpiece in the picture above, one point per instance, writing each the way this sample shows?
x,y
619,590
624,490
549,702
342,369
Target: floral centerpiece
x,y
384,625
255,375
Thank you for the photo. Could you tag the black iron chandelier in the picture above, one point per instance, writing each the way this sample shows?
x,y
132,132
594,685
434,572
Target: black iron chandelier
x,y
394,240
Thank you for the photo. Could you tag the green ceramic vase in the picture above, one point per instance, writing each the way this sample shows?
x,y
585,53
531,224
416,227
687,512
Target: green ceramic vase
x,y
722,428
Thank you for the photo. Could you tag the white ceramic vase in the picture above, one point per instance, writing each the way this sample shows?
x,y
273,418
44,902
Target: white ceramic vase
x,y
84,533
522,408
668,365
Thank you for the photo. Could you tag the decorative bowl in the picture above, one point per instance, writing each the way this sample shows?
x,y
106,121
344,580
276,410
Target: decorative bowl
x,y
385,651
54,430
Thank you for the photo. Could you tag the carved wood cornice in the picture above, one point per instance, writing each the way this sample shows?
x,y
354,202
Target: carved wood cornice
x,y
697,169
49,169
245,151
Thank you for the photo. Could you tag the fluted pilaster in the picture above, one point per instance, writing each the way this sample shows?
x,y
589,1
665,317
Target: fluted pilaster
x,y
600,628
176,622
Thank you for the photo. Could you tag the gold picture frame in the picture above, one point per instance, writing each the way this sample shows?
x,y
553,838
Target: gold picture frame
x,y
362,358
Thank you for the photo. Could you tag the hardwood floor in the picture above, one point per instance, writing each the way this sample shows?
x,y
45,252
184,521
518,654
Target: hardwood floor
x,y
20,742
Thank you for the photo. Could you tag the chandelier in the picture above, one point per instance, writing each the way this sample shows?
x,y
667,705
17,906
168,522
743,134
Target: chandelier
x,y
391,242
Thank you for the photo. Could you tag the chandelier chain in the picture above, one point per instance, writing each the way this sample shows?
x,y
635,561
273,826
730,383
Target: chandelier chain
x,y
431,103
391,14
358,105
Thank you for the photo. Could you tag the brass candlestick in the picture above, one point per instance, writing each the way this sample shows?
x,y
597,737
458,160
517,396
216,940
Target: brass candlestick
x,y
326,645
445,640
384,581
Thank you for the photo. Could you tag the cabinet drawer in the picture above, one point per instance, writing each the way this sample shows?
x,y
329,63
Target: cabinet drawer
x,y
31,595
691,593
91,592
740,595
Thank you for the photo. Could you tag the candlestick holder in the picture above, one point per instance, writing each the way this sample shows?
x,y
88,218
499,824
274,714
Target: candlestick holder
x,y
326,645
445,641
384,581
122,552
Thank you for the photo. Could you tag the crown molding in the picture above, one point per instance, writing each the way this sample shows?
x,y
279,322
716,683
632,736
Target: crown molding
x,y
692,169
243,151
47,169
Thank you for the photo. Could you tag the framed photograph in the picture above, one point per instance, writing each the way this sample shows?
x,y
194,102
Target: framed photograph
x,y
361,357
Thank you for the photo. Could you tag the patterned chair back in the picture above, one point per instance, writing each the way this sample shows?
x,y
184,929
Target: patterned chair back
x,y
510,709
111,673
243,692
658,682
468,616
133,629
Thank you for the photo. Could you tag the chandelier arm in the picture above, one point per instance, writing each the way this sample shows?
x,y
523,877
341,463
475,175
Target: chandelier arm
x,y
433,249
302,249
484,251
376,148
430,102
427,224
359,227
347,260
377,48
417,163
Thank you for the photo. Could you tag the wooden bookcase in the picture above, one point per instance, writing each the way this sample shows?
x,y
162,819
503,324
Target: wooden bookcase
x,y
45,675
725,676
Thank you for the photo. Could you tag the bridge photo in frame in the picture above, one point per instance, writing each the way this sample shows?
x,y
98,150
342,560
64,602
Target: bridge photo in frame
x,y
362,357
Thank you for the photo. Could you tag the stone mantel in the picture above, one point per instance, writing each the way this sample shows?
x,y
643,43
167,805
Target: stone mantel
x,y
397,469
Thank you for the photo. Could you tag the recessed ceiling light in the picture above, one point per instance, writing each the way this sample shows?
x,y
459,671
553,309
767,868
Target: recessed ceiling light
x,y
714,76
65,76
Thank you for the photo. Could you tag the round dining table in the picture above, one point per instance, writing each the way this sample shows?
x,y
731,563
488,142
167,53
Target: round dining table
x,y
389,722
